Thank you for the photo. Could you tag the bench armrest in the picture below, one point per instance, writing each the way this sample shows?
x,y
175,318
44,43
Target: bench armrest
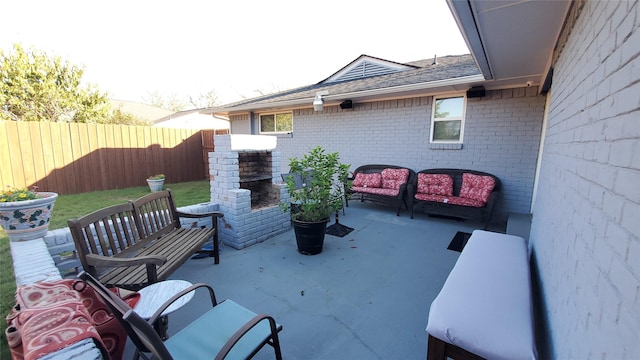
x,y
150,261
201,215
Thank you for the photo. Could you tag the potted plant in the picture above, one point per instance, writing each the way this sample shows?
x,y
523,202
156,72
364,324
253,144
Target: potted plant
x,y
156,182
316,190
25,213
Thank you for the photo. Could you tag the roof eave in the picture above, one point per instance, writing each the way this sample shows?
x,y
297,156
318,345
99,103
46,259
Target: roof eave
x,y
370,95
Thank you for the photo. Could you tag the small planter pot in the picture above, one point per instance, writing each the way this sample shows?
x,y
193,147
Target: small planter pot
x,y
310,236
27,220
155,185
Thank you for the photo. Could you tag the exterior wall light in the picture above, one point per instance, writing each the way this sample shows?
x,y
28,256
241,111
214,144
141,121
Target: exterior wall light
x,y
318,103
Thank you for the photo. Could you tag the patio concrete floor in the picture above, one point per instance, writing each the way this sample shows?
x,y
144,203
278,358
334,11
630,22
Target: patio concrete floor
x,y
366,296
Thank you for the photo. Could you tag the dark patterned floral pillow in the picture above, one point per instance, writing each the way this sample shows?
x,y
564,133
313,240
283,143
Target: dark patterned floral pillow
x,y
435,184
477,187
367,180
394,178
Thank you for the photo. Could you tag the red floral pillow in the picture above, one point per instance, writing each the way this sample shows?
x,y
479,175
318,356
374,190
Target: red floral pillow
x,y
435,184
477,187
393,178
367,180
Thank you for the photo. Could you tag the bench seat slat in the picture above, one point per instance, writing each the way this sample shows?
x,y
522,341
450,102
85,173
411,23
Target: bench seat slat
x,y
177,247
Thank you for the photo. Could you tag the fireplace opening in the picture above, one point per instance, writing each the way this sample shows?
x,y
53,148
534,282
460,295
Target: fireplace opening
x,y
256,175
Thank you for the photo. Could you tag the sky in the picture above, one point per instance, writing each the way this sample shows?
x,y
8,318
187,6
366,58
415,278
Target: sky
x,y
239,49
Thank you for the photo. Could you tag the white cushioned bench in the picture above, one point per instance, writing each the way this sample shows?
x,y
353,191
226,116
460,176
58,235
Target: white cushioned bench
x,y
484,309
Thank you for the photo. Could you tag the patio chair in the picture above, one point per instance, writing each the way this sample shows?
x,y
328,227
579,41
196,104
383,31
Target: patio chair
x,y
228,330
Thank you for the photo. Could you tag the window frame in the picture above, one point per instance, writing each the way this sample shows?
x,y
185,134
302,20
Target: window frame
x,y
461,118
275,116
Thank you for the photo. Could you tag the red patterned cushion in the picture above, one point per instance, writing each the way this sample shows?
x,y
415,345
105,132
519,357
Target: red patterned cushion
x,y
377,191
367,180
464,201
52,315
434,198
477,187
394,178
435,184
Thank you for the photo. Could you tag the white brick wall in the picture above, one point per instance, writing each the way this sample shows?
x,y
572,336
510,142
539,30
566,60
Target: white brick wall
x,y
586,220
502,135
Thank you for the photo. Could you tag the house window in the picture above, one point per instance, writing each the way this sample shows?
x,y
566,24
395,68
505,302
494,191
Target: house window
x,y
276,123
447,120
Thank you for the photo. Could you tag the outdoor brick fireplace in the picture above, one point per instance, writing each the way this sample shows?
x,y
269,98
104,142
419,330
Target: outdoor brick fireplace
x,y
246,183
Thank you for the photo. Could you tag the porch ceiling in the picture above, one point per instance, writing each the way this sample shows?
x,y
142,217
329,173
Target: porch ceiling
x,y
511,40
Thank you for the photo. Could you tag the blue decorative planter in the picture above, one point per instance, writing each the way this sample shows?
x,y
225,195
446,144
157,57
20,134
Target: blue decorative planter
x,y
29,219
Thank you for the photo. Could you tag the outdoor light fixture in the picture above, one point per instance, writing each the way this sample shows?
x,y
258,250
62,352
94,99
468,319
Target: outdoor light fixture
x,y
318,103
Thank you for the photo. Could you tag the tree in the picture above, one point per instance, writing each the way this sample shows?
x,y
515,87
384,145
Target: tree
x,y
35,87
168,103
206,100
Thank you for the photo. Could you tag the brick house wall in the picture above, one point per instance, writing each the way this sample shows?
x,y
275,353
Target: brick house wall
x,y
586,218
501,136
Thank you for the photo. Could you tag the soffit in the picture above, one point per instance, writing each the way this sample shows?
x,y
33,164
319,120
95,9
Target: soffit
x,y
512,40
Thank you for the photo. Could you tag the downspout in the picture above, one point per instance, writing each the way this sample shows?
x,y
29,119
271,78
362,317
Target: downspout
x,y
536,179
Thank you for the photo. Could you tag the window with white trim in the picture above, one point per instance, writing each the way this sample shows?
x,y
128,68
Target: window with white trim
x,y
447,119
276,123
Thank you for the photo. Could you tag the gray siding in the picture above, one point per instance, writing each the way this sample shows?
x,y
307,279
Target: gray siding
x,y
502,135
586,217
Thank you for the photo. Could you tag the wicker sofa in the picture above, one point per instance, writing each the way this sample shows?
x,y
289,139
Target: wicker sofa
x,y
458,193
386,184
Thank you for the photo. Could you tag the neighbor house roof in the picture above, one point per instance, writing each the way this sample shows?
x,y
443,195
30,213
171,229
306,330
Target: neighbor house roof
x,y
380,79
143,111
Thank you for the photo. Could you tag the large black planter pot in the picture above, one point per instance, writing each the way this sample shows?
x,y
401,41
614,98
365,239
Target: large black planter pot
x,y
310,236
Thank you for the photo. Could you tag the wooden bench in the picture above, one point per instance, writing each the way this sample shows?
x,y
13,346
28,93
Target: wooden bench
x,y
484,309
140,242
385,184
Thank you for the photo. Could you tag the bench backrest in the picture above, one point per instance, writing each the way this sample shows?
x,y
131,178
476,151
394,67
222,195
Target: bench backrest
x,y
109,231
156,214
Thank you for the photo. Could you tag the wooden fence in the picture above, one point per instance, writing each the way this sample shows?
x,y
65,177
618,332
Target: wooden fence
x,y
70,158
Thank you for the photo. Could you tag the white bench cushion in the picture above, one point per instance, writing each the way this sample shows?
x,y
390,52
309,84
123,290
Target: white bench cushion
x,y
485,304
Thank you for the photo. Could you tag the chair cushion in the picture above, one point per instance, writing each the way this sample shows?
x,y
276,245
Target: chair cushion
x,y
477,187
203,338
367,180
435,184
394,178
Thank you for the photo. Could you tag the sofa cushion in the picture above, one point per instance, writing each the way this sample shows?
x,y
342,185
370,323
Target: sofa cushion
x,y
435,184
453,200
477,187
456,200
429,197
394,178
372,180
376,191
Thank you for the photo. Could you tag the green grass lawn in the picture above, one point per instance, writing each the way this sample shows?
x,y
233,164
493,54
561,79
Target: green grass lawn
x,y
72,206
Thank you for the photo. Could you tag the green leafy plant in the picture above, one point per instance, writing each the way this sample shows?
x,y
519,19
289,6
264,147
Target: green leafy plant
x,y
156,177
12,194
323,180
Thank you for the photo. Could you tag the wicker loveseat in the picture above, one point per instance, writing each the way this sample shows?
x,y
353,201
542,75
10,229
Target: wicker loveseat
x,y
385,184
458,193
